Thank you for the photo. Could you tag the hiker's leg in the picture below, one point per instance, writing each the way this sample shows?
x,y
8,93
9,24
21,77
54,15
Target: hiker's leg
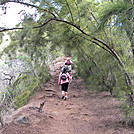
x,y
63,90
63,93
66,90
66,94
69,68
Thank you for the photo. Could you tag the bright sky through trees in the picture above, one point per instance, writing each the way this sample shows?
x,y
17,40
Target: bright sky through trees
x,y
13,15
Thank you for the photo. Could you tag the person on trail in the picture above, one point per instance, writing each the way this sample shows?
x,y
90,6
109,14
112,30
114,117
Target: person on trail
x,y
63,80
65,67
69,63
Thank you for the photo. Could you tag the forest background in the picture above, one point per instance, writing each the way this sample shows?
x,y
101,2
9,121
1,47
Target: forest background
x,y
98,35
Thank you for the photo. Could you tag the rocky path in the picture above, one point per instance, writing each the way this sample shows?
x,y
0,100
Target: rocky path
x,y
83,112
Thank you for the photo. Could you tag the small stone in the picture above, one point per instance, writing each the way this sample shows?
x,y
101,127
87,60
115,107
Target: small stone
x,y
22,120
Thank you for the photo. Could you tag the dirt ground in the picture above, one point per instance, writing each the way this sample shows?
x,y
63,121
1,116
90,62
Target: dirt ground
x,y
84,112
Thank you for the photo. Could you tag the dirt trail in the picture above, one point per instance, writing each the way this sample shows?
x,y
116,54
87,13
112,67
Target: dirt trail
x,y
83,112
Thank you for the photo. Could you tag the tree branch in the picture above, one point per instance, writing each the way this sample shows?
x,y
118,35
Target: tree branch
x,y
69,10
94,39
19,28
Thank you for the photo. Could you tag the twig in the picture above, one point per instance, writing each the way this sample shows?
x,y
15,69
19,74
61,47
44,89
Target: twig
x,y
38,108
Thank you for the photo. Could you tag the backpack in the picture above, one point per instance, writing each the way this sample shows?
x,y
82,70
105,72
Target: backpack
x,y
63,77
68,62
65,67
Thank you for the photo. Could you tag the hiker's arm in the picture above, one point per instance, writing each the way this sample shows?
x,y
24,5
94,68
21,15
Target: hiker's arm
x,y
69,76
59,80
71,62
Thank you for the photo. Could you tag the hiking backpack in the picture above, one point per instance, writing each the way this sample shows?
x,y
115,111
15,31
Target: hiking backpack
x,y
63,77
65,67
68,62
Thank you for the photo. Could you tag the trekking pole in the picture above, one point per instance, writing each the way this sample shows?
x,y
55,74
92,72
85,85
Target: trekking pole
x,y
75,83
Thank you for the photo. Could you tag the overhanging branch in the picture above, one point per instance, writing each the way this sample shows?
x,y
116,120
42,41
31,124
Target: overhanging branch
x,y
94,39
19,28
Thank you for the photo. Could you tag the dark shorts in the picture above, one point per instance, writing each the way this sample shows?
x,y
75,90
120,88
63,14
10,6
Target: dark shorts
x,y
64,87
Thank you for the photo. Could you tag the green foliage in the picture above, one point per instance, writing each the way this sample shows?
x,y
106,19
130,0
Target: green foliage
x,y
25,86
1,37
109,10
127,109
21,99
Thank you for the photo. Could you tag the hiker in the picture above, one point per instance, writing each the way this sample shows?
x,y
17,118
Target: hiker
x,y
65,67
69,63
63,80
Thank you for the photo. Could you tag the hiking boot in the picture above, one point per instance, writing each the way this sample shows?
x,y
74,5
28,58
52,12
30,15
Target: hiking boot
x,y
65,98
62,97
